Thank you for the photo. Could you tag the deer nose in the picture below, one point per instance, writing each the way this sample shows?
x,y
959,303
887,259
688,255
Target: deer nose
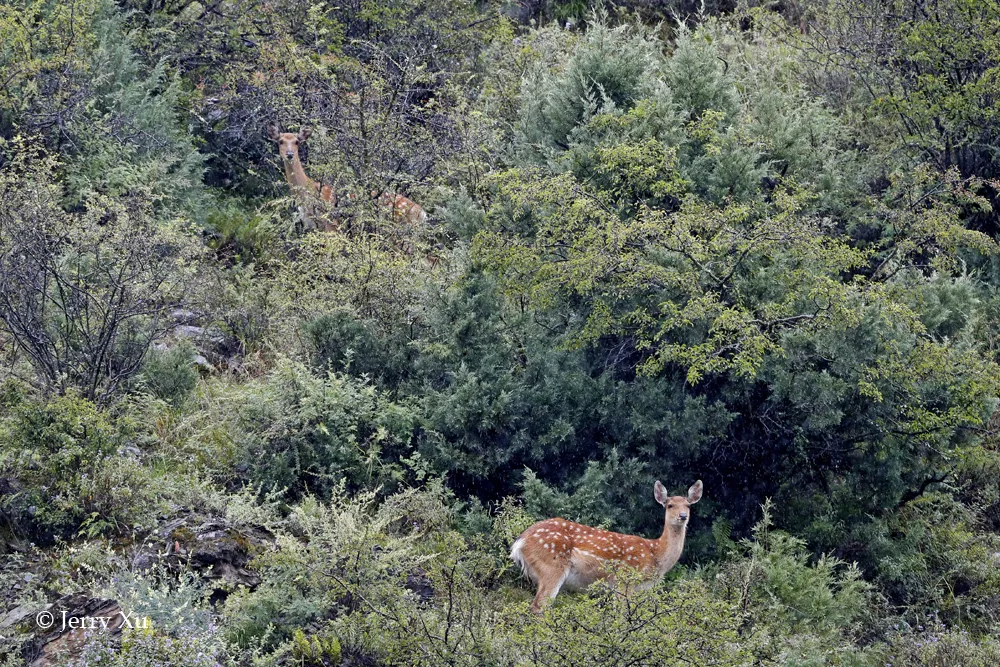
x,y
288,155
683,515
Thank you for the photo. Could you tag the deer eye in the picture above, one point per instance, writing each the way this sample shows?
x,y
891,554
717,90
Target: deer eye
x,y
670,505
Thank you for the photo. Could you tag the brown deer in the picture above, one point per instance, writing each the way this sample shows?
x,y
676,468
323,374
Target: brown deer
x,y
556,552
308,193
304,189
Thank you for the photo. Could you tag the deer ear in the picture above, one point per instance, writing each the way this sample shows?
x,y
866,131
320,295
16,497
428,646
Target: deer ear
x,y
273,132
694,493
304,133
660,493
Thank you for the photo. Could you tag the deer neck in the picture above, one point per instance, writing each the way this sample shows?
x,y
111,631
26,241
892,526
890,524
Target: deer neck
x,y
299,183
669,547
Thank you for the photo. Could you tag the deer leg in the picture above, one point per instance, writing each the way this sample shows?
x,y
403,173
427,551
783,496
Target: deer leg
x,y
548,589
540,599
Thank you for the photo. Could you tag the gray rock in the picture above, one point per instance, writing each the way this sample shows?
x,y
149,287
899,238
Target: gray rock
x,y
18,614
418,583
183,315
188,331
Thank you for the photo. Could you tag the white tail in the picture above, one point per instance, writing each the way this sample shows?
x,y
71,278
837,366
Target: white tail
x,y
557,552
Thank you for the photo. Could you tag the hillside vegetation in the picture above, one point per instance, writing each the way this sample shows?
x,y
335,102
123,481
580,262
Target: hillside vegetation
x,y
752,244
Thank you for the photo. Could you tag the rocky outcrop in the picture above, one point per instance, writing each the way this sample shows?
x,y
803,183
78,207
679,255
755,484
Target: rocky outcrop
x,y
184,327
62,628
210,546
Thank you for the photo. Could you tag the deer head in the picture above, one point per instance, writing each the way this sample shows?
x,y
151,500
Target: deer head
x,y
288,143
678,508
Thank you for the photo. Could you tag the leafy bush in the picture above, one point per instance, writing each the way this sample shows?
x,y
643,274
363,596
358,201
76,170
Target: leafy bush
x,y
306,432
83,295
315,650
919,97
824,596
239,236
344,344
607,71
248,307
343,556
933,644
931,557
714,117
171,622
174,603
681,625
146,647
64,456
170,373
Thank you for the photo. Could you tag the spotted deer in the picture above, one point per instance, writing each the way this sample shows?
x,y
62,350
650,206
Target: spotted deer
x,y
308,193
556,552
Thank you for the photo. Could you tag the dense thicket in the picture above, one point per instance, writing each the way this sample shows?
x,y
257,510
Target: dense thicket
x,y
753,247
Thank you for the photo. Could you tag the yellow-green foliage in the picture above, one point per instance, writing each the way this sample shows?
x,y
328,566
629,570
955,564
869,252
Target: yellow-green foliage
x,y
63,455
41,39
680,625
295,429
315,650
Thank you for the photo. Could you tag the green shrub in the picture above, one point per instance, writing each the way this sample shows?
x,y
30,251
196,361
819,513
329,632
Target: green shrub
x,y
800,610
241,237
824,596
609,492
347,555
86,291
120,128
607,69
684,624
147,647
174,602
932,557
315,649
345,344
936,645
170,374
306,432
716,117
64,455
248,306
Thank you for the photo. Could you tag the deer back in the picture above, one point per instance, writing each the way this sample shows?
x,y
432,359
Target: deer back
x,y
585,551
